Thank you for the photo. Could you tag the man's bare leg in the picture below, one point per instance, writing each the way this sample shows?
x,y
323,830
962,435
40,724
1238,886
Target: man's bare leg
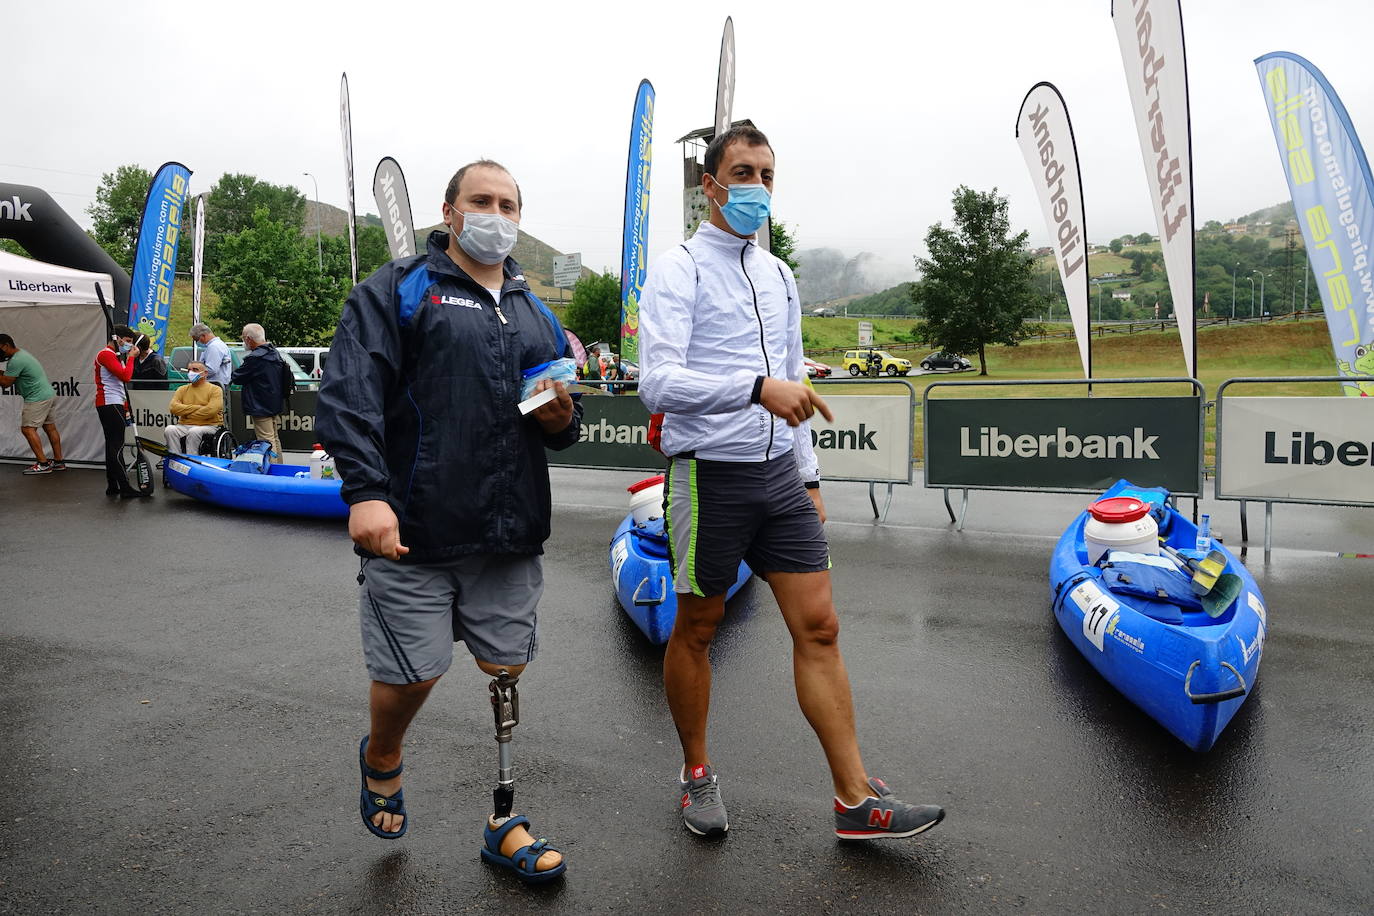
x,y
54,439
392,706
35,443
687,672
822,681
518,837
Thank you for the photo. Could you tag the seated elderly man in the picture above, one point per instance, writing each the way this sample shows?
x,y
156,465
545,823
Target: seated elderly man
x,y
199,406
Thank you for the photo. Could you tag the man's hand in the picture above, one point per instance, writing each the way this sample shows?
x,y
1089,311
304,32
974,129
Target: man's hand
x,y
554,416
372,525
792,401
815,495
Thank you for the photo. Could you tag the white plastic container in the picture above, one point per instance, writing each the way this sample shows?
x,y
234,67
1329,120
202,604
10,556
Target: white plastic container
x,y
1120,523
321,464
646,499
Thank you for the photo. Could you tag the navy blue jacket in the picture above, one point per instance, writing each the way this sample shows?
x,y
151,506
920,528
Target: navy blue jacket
x,y
262,375
418,407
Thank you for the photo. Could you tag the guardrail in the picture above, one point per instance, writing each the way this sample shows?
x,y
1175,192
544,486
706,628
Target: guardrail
x,y
1062,445
1300,467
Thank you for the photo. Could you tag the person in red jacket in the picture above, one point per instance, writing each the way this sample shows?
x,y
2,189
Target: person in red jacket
x,y
114,366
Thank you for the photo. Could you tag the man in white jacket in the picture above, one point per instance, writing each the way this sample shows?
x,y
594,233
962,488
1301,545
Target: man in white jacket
x,y
721,359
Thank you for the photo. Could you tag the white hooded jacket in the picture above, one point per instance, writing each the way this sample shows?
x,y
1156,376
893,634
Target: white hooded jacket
x,y
717,313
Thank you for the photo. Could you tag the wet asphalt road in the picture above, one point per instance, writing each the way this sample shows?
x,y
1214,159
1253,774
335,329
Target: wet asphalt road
x,y
183,695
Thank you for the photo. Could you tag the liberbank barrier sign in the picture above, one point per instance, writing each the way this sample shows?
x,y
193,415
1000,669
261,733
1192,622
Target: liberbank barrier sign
x,y
1289,449
297,432
870,439
1063,444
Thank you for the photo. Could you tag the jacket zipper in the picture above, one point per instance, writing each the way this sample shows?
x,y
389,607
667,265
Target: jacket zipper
x,y
499,315
501,345
763,345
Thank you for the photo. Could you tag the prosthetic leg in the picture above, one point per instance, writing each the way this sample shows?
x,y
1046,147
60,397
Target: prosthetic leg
x,y
505,707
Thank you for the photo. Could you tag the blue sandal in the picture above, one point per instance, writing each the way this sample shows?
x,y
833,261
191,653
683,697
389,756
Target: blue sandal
x,y
525,861
370,803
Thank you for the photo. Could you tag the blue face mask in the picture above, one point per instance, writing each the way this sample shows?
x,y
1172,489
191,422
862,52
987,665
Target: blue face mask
x,y
125,348
747,208
195,376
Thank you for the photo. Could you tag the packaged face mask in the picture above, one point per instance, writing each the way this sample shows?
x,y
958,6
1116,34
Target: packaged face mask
x,y
558,370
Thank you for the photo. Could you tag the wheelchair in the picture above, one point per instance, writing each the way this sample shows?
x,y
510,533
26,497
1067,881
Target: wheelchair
x,y
218,444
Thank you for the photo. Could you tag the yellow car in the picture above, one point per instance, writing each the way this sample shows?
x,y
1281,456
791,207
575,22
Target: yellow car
x,y
874,362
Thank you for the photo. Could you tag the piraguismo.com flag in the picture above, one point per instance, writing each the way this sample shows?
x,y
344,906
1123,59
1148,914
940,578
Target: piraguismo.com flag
x,y
1329,180
155,254
634,244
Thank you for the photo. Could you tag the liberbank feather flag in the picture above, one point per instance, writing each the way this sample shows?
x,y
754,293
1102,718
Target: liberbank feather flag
x,y
346,128
155,254
393,202
1151,36
1328,177
635,235
1045,133
197,259
725,78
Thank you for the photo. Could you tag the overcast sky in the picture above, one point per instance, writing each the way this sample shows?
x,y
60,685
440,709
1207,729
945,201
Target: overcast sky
x,y
876,111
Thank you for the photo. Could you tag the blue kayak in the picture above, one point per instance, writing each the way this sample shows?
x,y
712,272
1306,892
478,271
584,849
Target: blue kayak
x,y
1188,670
279,492
644,580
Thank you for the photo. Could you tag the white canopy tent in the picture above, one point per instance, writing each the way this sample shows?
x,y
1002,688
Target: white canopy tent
x,y
55,313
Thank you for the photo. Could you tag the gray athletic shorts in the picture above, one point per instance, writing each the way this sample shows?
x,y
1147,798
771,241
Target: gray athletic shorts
x,y
413,613
721,512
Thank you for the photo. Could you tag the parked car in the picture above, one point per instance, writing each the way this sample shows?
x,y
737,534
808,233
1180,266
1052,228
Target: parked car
x,y
817,370
823,312
944,360
311,359
180,356
865,361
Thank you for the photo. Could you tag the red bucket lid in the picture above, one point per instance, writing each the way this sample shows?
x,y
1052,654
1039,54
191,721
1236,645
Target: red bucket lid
x,y
646,483
1118,509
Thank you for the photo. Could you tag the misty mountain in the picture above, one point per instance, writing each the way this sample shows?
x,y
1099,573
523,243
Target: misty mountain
x,y
824,274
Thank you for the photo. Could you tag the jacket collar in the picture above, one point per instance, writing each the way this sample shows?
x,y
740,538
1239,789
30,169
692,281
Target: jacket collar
x,y
437,260
719,238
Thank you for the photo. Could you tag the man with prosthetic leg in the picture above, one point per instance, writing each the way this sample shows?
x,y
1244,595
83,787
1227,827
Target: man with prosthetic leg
x,y
721,359
447,485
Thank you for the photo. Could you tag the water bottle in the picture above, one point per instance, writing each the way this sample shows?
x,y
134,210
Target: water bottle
x,y
318,457
1204,533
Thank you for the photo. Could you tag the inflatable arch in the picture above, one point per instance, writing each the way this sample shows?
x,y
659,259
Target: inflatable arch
x,y
30,216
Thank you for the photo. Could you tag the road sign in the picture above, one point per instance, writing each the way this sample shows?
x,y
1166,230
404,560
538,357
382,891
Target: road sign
x,y
566,269
865,333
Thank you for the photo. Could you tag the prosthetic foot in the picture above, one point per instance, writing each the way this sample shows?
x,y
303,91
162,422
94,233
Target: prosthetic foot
x,y
505,707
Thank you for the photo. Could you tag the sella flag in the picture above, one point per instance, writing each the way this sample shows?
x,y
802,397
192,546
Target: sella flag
x,y
1329,180
635,234
1045,135
155,253
393,202
346,128
1151,36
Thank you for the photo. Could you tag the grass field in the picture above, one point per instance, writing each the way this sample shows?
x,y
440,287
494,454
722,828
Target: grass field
x,y
1279,348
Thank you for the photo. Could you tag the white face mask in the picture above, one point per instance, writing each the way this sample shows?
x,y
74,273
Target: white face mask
x,y
488,238
194,376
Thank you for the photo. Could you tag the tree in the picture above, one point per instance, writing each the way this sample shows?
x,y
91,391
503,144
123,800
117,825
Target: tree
x,y
976,285
782,243
233,203
269,274
117,211
594,313
1115,246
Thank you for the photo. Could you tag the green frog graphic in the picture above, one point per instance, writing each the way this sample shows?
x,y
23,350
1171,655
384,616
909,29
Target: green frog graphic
x,y
1364,365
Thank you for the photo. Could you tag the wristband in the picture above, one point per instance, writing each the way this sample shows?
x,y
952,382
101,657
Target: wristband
x,y
813,484
757,394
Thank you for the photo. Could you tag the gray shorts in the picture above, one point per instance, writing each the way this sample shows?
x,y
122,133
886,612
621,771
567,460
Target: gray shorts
x,y
722,512
413,613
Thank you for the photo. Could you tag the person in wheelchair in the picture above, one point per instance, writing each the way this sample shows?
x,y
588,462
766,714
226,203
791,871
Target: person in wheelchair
x,y
199,406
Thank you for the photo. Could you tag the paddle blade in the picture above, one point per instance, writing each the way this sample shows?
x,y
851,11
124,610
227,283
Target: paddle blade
x,y
1223,595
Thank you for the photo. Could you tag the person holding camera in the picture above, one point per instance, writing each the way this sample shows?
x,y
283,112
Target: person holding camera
x,y
114,367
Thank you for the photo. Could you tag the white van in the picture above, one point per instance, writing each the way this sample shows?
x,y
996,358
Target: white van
x,y
311,359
